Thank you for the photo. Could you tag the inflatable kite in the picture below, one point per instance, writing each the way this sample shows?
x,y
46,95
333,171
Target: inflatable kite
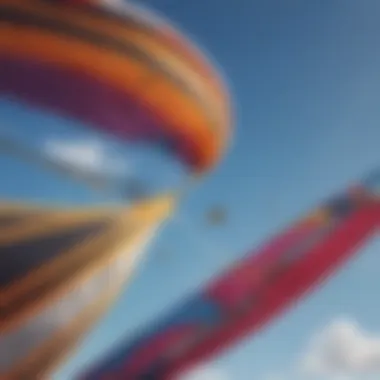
x,y
252,293
123,73
120,71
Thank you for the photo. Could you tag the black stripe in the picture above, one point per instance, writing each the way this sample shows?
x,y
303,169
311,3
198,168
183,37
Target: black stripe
x,y
18,258
104,13
18,17
127,21
11,219
341,206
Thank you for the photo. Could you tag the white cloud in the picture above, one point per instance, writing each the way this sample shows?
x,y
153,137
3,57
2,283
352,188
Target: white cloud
x,y
90,156
204,373
343,349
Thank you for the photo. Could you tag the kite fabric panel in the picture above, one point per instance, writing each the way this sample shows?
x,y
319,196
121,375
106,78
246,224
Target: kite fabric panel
x,y
253,292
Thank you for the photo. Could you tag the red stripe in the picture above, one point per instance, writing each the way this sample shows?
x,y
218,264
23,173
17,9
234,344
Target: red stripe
x,y
305,275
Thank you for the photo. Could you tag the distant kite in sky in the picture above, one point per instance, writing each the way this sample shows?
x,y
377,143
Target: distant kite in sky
x,y
216,215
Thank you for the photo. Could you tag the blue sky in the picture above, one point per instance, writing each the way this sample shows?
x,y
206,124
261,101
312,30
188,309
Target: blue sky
x,y
305,81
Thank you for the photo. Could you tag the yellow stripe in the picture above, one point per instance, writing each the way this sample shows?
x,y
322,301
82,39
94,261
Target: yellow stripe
x,y
153,46
63,274
165,99
40,227
162,37
48,282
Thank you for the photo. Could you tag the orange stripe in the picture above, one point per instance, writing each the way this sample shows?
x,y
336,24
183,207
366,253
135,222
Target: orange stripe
x,y
156,46
191,54
57,277
161,31
181,113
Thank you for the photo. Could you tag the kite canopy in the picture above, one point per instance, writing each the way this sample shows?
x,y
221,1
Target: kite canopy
x,y
60,270
118,69
251,293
